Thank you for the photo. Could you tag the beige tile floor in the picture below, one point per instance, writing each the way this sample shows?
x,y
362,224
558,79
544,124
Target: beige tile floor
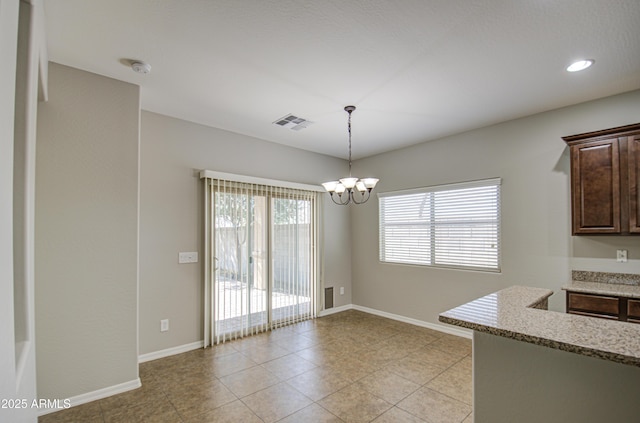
x,y
346,367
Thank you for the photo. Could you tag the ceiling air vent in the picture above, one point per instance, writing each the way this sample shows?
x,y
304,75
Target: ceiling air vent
x,y
293,122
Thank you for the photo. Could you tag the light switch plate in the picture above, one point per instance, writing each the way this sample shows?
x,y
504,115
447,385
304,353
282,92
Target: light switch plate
x,y
191,257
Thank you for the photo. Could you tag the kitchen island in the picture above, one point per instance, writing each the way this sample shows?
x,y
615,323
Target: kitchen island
x,y
535,365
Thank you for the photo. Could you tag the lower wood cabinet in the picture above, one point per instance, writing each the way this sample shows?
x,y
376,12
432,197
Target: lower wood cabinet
x,y
604,306
633,311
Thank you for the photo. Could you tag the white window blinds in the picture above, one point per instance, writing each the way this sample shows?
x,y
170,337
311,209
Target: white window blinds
x,y
456,225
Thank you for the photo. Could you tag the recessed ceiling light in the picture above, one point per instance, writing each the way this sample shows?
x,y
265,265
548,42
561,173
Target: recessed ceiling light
x,y
580,65
141,67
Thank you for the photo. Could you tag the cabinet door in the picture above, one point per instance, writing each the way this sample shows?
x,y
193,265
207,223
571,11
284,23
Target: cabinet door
x,y
633,311
634,184
593,305
595,185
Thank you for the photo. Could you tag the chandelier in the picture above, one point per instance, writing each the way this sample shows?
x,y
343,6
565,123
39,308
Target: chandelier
x,y
351,189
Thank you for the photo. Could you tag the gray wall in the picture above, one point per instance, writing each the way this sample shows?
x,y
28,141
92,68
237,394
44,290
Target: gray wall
x,y
171,218
537,247
21,44
8,48
86,234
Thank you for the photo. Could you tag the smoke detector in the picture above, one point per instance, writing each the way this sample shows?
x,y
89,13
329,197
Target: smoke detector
x,y
141,67
292,122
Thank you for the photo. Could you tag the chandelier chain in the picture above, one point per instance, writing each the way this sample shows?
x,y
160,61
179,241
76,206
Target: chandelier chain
x,y
349,127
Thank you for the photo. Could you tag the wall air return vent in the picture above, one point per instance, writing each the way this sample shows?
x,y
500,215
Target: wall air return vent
x,y
328,298
292,122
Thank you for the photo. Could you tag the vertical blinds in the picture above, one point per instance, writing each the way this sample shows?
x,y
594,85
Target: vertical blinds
x,y
456,225
262,243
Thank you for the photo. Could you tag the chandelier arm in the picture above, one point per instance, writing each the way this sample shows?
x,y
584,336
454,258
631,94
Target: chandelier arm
x,y
340,203
364,197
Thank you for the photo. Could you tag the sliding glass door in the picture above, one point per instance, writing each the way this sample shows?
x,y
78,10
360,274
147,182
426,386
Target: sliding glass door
x,y
291,248
264,258
241,281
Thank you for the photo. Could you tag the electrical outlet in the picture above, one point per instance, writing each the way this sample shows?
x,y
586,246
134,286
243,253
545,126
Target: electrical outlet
x,y
621,256
191,257
342,290
164,325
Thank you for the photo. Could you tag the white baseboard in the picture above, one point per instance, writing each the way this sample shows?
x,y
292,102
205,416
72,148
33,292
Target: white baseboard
x,y
170,351
96,395
465,333
334,310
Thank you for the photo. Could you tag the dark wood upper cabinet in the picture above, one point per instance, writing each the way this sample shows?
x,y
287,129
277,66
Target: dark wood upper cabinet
x,y
605,181
634,184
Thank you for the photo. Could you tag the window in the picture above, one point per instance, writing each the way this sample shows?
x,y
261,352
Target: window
x,y
456,225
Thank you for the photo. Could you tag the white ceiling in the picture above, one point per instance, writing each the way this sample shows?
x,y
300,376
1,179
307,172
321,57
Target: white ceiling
x,y
417,70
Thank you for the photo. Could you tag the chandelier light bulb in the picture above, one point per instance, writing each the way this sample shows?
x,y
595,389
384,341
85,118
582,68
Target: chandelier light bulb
x,y
370,183
349,182
330,186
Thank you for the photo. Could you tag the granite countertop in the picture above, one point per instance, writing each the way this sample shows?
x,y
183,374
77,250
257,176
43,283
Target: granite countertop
x,y
519,313
601,283
604,288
